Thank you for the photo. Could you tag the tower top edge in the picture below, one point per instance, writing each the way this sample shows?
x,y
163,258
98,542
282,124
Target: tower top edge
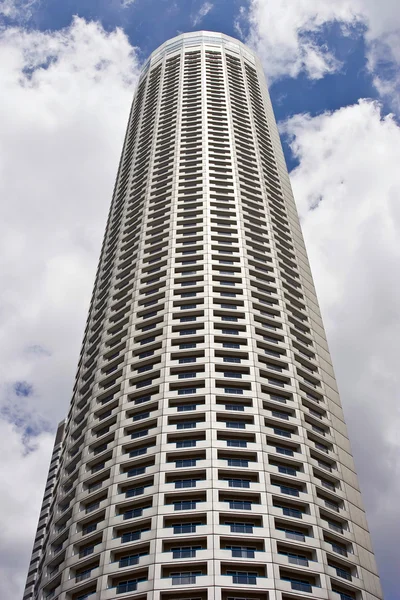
x,y
198,38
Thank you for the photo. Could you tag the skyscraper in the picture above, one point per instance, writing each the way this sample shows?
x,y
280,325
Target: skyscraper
x,y
205,454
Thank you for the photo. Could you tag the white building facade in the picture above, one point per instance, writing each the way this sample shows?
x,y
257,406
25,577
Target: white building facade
x,y
205,454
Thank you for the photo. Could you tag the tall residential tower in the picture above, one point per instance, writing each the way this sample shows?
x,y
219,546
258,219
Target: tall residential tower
x,y
205,454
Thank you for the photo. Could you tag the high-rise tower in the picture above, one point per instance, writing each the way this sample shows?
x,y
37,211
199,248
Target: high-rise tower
x,y
205,454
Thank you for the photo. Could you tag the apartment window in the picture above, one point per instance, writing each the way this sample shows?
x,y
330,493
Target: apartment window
x,y
282,432
237,462
186,483
185,505
186,444
284,451
300,585
237,407
129,586
185,462
131,514
185,528
184,578
292,534
187,425
240,527
184,391
241,483
241,551
239,505
185,552
296,559
138,491
186,375
236,443
246,578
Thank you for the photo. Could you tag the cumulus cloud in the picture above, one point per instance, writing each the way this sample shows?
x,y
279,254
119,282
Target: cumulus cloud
x,y
22,479
65,102
287,36
347,191
201,13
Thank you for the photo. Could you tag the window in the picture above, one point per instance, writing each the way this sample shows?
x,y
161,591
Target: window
x,y
83,575
131,514
343,595
185,462
299,585
289,490
185,552
243,577
282,432
130,536
237,407
184,578
186,483
241,483
239,505
241,551
290,512
129,586
185,528
129,561
236,443
296,559
292,534
230,345
184,391
185,505
139,434
186,407
287,470
186,444
237,462
186,346
141,416
240,527
236,424
137,471
284,451
186,425
134,492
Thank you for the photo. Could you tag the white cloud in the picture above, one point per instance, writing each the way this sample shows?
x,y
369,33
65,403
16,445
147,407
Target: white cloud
x,y
22,480
17,9
65,102
284,34
347,190
201,13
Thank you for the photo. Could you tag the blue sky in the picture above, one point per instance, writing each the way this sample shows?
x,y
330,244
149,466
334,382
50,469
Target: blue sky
x,y
334,75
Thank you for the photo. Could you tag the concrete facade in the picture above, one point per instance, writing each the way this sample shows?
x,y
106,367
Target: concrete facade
x,y
205,454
